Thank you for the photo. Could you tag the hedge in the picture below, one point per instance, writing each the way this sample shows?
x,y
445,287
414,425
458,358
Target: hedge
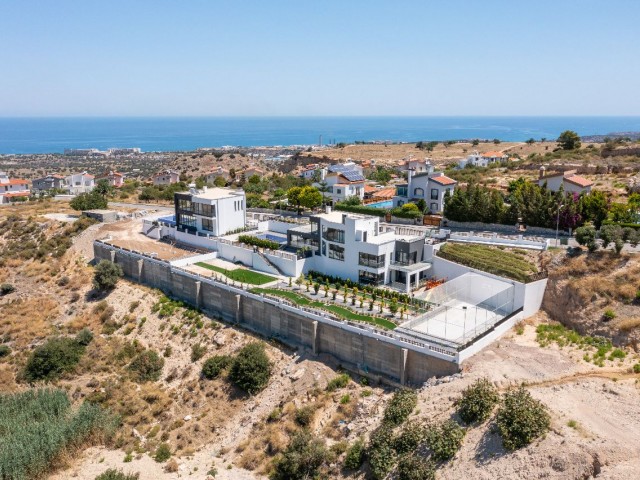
x,y
623,225
258,242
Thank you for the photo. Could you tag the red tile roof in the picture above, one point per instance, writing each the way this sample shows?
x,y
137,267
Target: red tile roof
x,y
443,180
370,189
385,193
15,181
15,194
494,154
578,180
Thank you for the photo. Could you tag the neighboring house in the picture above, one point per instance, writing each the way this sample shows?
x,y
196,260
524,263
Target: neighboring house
x,y
483,159
211,211
80,183
249,172
310,171
12,188
48,183
431,187
416,166
166,177
217,172
343,181
115,179
569,181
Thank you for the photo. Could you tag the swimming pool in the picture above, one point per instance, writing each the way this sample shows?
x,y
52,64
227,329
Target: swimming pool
x,y
273,238
383,204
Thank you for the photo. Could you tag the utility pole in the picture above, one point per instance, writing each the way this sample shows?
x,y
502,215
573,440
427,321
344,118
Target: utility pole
x,y
558,222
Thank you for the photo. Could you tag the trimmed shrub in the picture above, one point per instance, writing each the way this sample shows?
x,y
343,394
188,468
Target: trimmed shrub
x,y
113,474
106,275
163,453
213,366
304,458
340,381
147,366
50,360
521,419
478,401
355,455
258,242
378,212
251,368
445,439
416,467
400,406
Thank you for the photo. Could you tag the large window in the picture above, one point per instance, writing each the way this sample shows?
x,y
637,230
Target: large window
x,y
434,194
368,278
401,190
185,205
207,224
188,221
336,252
405,258
368,260
204,209
333,234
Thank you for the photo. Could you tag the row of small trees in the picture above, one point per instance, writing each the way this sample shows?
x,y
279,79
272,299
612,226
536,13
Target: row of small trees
x,y
608,234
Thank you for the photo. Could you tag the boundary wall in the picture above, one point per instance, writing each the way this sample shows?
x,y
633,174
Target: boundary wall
x,y
390,356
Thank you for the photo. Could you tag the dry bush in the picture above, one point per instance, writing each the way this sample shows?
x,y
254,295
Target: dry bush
x,y
626,324
27,320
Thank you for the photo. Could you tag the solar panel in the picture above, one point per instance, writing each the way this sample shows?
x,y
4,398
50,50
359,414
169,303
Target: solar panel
x,y
353,176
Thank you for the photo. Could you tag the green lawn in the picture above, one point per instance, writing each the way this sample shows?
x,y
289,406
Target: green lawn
x,y
335,309
240,274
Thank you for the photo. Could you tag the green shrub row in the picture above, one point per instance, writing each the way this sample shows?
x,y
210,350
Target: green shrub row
x,y
362,209
258,242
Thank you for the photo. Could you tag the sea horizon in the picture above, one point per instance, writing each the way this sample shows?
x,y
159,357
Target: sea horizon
x,y
49,134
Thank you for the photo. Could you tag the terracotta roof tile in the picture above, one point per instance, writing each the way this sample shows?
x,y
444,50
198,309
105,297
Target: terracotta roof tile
x,y
443,180
578,180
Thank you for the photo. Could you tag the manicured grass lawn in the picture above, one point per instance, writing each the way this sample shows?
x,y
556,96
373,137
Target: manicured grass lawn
x,y
240,275
335,309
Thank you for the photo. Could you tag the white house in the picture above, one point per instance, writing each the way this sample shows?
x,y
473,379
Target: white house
x,y
210,211
431,187
343,181
416,165
166,177
12,188
80,183
569,181
483,159
217,172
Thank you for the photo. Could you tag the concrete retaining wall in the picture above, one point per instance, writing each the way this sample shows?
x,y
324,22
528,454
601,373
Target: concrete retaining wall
x,y
358,347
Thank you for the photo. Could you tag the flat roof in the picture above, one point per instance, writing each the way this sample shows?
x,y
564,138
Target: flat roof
x,y
216,193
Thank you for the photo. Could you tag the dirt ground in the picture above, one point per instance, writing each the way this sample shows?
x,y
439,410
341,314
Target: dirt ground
x,y
602,403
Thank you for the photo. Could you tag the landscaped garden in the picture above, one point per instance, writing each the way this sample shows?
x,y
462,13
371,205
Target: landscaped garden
x,y
337,310
512,264
240,274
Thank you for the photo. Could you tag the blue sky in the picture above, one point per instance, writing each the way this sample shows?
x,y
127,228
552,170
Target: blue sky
x,y
356,57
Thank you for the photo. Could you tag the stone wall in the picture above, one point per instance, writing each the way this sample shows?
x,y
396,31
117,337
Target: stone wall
x,y
357,347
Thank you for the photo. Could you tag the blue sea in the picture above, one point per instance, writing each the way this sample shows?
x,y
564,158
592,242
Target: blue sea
x,y
53,135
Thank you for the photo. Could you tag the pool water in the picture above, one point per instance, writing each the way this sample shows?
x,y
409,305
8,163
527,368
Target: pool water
x,y
384,204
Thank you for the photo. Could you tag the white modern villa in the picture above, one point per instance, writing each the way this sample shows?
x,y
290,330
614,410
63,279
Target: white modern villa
x,y
12,188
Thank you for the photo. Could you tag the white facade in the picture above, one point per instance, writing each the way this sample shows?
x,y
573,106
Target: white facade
x,y
482,159
569,181
166,177
213,211
80,183
343,181
352,246
12,187
431,187
217,172
417,166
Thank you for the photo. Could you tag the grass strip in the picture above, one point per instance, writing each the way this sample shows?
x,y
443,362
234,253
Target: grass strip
x,y
240,274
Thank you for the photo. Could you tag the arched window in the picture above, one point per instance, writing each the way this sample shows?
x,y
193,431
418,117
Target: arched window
x,y
418,192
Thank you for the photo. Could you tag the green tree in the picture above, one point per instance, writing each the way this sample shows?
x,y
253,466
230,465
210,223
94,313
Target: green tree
x,y
478,401
586,236
53,358
310,197
106,275
251,369
594,207
220,182
521,419
569,140
89,201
